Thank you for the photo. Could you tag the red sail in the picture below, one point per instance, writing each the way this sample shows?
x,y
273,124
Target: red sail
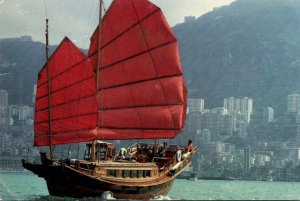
x,y
142,92
73,100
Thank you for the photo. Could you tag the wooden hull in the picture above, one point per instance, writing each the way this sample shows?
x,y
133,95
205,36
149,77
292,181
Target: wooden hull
x,y
62,181
81,178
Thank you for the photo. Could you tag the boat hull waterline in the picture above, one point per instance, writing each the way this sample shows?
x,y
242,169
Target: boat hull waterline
x,y
64,180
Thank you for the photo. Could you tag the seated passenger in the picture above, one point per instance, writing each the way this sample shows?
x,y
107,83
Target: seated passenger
x,y
122,154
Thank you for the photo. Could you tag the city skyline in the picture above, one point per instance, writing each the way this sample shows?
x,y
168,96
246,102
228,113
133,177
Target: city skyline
x,y
258,158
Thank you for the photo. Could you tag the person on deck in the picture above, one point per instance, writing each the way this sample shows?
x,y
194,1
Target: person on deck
x,y
190,146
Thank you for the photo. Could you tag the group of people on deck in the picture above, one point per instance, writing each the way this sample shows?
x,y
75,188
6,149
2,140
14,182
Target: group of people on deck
x,y
148,152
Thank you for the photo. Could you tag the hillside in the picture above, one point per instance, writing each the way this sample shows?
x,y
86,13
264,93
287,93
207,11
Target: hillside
x,y
22,58
249,48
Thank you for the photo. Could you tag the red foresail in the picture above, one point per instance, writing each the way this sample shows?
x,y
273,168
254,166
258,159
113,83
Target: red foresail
x,y
142,92
73,102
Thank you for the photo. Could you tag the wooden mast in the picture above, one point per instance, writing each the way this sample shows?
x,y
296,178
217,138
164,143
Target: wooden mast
x,y
49,90
98,76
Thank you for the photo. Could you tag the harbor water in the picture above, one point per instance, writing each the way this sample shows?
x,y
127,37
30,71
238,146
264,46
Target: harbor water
x,y
25,186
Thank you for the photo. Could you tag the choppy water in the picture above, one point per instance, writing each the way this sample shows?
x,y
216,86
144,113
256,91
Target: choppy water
x,y
25,186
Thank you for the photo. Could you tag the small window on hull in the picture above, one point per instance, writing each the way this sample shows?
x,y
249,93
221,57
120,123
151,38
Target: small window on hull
x,y
111,173
140,173
147,173
133,173
126,173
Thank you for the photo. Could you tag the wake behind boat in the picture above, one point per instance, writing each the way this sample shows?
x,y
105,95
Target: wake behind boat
x,y
129,86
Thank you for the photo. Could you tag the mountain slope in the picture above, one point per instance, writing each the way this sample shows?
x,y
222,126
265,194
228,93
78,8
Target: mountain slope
x,y
250,48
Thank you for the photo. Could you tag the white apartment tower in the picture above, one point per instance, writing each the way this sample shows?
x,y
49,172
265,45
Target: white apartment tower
x,y
242,106
195,104
268,115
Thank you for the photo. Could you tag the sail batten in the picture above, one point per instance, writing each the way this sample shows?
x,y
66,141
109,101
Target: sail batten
x,y
141,95
133,56
117,36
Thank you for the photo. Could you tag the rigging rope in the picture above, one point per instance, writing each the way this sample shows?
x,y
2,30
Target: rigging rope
x,y
46,12
90,24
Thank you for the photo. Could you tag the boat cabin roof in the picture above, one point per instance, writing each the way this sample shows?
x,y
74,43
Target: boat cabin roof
x,y
99,142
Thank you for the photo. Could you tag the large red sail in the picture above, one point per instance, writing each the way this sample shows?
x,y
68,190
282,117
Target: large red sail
x,y
73,102
142,92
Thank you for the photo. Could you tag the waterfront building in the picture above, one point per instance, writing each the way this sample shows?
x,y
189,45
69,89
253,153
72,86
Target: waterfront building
x,y
260,160
6,144
246,161
8,162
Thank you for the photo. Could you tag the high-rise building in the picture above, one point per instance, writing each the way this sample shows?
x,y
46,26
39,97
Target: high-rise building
x,y
195,104
246,108
3,98
243,129
34,93
268,115
25,112
293,103
243,106
218,123
246,160
230,104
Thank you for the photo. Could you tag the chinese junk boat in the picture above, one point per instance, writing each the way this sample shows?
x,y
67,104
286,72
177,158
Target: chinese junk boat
x,y
129,86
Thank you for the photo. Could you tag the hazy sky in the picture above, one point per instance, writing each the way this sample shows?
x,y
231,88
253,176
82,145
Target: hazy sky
x,y
77,19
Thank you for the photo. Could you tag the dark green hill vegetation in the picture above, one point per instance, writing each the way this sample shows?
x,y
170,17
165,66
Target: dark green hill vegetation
x,y
22,59
250,48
